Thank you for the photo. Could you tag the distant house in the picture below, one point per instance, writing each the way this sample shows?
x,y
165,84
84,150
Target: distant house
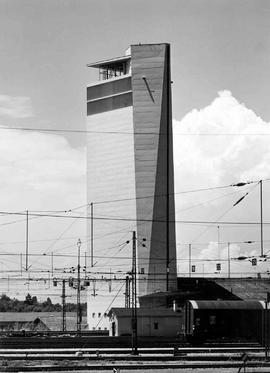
x,y
38,321
158,322
17,321
54,321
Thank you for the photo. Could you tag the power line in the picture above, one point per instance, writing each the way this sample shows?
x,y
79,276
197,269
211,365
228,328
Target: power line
x,y
99,257
116,295
177,193
136,220
58,238
37,241
63,130
221,216
40,213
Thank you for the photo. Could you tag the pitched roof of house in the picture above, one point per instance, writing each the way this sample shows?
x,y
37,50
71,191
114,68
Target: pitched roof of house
x,y
18,316
53,320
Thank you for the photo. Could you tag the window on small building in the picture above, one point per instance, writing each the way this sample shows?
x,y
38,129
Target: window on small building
x,y
99,314
156,325
93,328
99,328
105,328
142,271
105,314
93,315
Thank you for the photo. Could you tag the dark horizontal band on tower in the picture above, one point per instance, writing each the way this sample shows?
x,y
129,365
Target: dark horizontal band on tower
x,y
109,103
109,88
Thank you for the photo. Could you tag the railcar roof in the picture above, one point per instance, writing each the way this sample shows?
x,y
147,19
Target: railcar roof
x,y
224,304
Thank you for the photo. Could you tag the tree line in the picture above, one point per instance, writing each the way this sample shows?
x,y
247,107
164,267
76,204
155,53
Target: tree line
x,y
31,304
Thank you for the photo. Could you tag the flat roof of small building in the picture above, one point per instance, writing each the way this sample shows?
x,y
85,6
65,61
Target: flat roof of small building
x,y
126,312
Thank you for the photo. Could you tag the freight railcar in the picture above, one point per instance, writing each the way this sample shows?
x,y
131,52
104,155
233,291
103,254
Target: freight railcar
x,y
224,320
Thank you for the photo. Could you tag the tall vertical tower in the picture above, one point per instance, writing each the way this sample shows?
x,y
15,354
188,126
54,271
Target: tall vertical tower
x,y
130,179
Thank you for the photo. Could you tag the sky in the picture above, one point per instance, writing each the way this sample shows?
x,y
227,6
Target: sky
x,y
220,71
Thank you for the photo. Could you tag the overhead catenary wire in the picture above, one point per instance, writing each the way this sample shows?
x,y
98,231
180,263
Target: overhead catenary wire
x,y
35,214
182,192
158,258
117,280
231,185
189,133
142,220
113,300
49,213
56,240
137,220
222,215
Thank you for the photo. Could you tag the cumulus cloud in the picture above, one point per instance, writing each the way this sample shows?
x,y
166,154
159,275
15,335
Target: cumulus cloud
x,y
221,144
15,106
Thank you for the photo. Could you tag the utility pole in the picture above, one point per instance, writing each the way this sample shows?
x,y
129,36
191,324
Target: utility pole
x,y
92,234
127,293
218,232
85,264
229,261
134,297
52,263
266,332
26,243
261,209
79,316
64,323
189,260
21,263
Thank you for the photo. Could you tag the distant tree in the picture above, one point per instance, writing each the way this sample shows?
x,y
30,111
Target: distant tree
x,y
4,298
34,300
28,300
49,302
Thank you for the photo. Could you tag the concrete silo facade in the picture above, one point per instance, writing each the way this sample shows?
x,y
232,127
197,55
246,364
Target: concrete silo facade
x,y
130,180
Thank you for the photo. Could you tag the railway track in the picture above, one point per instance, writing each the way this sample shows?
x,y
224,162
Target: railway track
x,y
96,342
140,366
183,358
71,354
176,351
159,358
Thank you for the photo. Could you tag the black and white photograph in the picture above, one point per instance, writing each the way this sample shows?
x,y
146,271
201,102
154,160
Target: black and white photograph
x,y
135,186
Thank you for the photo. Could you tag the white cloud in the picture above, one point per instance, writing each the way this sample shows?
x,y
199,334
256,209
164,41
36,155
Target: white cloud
x,y
40,172
206,259
43,168
225,154
15,106
214,146
43,172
